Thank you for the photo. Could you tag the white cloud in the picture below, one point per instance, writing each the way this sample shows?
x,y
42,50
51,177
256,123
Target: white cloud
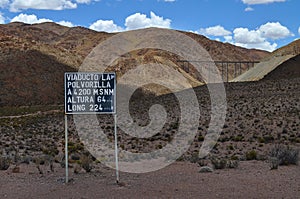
x,y
252,39
274,30
260,37
132,22
32,19
83,1
228,39
2,18
105,25
214,31
138,20
4,3
66,23
18,5
299,30
249,9
253,2
29,19
262,46
245,36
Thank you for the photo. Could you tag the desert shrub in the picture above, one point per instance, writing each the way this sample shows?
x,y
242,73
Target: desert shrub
x,y
77,169
86,163
261,140
224,139
194,158
44,160
200,138
251,155
274,163
75,147
216,146
175,125
16,169
219,163
238,138
261,145
206,169
40,160
230,147
232,164
202,162
234,157
52,151
4,163
285,155
224,163
26,160
268,139
180,159
75,156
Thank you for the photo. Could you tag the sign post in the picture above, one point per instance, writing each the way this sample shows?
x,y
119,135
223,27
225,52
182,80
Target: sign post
x,y
66,149
116,150
90,93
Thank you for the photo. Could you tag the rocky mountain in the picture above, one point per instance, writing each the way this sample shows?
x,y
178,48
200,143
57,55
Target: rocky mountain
x,y
284,59
33,59
287,70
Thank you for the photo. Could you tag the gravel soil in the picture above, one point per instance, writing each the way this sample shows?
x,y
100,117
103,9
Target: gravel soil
x,y
252,179
260,115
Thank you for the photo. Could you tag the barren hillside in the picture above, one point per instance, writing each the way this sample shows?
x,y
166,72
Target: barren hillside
x,y
33,57
271,62
287,70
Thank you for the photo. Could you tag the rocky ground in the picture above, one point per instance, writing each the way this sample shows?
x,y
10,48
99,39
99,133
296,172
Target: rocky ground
x,y
252,179
260,115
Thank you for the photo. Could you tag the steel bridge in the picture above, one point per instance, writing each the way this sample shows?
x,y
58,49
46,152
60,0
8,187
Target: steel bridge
x,y
228,69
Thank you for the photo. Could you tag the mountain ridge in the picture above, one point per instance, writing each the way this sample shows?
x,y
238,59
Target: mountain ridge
x,y
50,47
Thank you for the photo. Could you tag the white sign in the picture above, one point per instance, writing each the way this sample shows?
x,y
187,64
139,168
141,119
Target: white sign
x,y
87,92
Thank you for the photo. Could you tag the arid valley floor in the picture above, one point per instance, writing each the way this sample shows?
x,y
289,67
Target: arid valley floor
x,y
260,115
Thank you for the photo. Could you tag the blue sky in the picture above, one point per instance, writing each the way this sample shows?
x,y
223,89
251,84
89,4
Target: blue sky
x,y
262,24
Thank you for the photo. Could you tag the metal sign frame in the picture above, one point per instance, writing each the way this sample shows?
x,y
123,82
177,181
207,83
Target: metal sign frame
x,y
114,112
94,103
